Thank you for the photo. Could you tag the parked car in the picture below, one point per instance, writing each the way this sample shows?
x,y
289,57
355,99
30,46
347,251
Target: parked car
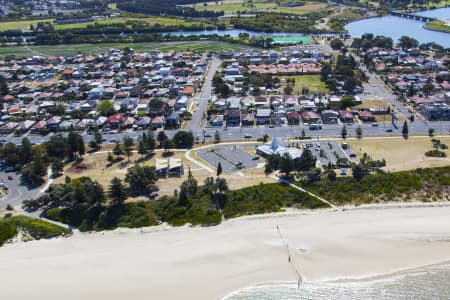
x,y
10,177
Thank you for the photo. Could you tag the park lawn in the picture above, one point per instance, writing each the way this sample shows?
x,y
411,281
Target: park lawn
x,y
234,6
72,49
96,169
163,21
21,25
438,25
312,82
401,154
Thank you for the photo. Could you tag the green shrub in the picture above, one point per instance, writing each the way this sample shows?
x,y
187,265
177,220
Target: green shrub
x,y
35,227
7,232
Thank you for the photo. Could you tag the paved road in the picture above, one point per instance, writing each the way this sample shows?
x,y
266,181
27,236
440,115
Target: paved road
x,y
205,95
16,191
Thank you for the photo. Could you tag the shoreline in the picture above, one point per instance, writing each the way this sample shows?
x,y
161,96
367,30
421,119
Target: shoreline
x,y
238,253
374,279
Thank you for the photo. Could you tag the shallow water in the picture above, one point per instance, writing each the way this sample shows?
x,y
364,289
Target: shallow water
x,y
432,283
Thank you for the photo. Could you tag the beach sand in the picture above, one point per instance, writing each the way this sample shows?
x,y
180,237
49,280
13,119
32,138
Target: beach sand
x,y
208,263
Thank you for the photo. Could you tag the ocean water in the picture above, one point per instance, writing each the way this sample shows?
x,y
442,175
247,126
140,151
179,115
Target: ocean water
x,y
432,283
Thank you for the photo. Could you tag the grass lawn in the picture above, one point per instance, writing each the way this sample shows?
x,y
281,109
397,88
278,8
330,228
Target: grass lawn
x,y
72,49
20,25
234,6
95,168
163,21
401,154
312,82
438,25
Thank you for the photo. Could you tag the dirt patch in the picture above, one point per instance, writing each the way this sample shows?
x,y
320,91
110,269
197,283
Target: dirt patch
x,y
79,167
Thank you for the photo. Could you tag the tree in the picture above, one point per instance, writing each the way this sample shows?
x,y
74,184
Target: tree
x,y
168,144
358,172
162,137
141,180
36,170
116,191
406,42
336,44
188,188
219,169
98,138
25,151
150,141
110,157
117,150
128,146
3,86
431,132
331,174
305,162
405,130
325,72
183,139
286,164
217,137
105,108
344,132
93,144
347,101
57,167
359,132
303,134
142,148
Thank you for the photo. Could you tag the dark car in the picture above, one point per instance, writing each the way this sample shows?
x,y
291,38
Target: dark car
x,y
10,177
389,130
255,157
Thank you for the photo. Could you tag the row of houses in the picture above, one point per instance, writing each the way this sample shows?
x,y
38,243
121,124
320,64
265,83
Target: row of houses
x,y
66,91
279,110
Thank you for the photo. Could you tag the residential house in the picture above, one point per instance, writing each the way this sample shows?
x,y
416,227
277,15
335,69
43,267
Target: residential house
x,y
346,116
8,127
330,116
310,117
248,119
293,118
233,117
39,127
263,116
53,123
173,120
217,121
366,116
157,122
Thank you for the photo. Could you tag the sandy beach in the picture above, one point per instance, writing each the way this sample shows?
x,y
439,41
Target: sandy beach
x,y
208,263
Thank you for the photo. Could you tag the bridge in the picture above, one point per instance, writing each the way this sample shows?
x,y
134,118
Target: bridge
x,y
412,16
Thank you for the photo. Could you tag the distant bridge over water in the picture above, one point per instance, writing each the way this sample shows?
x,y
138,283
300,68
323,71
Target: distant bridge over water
x,y
412,16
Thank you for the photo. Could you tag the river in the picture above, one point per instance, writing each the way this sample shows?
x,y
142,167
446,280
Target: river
x,y
390,26
395,27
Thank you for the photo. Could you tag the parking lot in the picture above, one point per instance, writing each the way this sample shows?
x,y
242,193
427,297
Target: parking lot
x,y
231,157
328,152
